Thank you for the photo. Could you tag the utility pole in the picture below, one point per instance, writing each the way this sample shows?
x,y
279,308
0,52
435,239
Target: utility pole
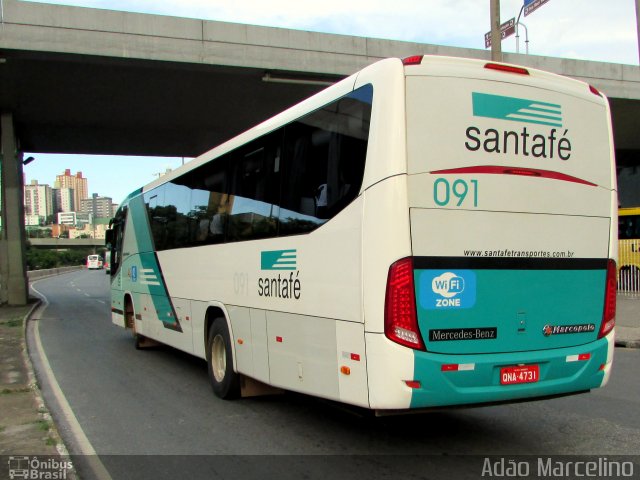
x,y
496,38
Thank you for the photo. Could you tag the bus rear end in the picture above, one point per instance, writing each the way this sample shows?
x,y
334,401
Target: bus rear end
x,y
509,291
93,262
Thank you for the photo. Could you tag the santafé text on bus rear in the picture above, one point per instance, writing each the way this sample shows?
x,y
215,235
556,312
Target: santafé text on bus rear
x,y
519,143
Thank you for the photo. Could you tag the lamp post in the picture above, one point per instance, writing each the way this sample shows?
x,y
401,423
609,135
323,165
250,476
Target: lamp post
x,y
526,37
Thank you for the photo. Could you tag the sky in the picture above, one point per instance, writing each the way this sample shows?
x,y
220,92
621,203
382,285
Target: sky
x,y
597,30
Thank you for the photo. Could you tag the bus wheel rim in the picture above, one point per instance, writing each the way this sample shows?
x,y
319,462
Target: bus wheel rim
x,y
218,358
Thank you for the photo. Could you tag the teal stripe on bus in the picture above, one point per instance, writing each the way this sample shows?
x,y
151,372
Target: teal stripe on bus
x,y
149,277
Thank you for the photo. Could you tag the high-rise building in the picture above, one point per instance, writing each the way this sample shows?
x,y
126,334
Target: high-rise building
x,y
76,182
63,200
38,203
99,207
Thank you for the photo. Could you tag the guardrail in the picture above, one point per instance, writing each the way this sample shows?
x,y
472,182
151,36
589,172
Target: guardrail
x,y
36,274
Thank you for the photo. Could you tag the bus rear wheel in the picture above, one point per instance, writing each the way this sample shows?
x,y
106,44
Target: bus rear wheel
x,y
140,341
224,381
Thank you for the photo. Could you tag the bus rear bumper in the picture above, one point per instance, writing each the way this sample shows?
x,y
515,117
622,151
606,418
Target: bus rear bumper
x,y
447,380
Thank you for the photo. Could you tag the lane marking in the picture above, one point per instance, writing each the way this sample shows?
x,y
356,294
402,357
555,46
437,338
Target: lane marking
x,y
83,443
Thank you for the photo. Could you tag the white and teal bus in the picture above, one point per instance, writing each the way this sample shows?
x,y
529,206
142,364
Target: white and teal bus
x,y
427,232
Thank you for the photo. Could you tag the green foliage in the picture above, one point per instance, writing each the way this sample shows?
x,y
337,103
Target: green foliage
x,y
43,425
14,323
38,259
9,391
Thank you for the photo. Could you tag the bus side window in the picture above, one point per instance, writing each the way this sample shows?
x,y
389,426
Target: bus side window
x,y
286,182
177,199
118,226
154,200
254,190
213,227
209,203
324,159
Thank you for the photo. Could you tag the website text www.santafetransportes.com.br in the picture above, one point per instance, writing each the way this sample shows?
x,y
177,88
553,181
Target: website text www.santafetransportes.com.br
x,y
519,253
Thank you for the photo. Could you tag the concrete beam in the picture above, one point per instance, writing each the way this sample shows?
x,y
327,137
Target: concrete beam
x,y
615,80
116,69
63,243
62,29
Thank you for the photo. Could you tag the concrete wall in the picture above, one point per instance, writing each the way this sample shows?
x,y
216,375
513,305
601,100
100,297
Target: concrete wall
x,y
37,274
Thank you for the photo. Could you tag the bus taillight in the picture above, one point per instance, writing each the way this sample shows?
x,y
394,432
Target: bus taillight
x,y
412,60
609,314
501,67
400,317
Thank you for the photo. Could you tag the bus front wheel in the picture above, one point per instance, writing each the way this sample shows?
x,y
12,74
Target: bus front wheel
x,y
224,381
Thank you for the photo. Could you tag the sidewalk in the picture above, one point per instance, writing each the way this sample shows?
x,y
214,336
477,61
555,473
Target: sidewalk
x,y
26,427
628,321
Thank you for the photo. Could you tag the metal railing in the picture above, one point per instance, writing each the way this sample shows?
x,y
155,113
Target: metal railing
x,y
629,266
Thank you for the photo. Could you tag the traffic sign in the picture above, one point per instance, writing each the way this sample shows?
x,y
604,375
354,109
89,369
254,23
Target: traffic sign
x,y
506,29
532,5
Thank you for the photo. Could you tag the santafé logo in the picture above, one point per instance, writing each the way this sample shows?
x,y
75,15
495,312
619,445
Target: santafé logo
x,y
528,141
287,286
516,109
278,259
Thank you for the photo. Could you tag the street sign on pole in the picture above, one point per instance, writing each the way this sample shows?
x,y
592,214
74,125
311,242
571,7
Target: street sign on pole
x,y
532,5
506,29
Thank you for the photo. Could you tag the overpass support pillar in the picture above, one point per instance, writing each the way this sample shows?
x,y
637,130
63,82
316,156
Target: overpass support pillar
x,y
13,269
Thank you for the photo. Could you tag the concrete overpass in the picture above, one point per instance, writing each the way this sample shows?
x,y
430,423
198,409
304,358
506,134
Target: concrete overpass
x,y
79,80
64,243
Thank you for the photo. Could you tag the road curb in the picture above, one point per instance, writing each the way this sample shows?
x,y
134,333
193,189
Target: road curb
x,y
43,410
628,343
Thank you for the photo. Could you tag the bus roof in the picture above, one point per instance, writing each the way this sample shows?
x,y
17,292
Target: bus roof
x,y
436,65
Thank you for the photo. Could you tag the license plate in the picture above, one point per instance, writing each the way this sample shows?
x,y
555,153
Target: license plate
x,y
524,374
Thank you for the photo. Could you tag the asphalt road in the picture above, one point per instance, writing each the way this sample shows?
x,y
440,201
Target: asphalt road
x,y
152,414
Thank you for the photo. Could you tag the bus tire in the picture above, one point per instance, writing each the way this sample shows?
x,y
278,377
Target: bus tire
x,y
224,381
139,341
